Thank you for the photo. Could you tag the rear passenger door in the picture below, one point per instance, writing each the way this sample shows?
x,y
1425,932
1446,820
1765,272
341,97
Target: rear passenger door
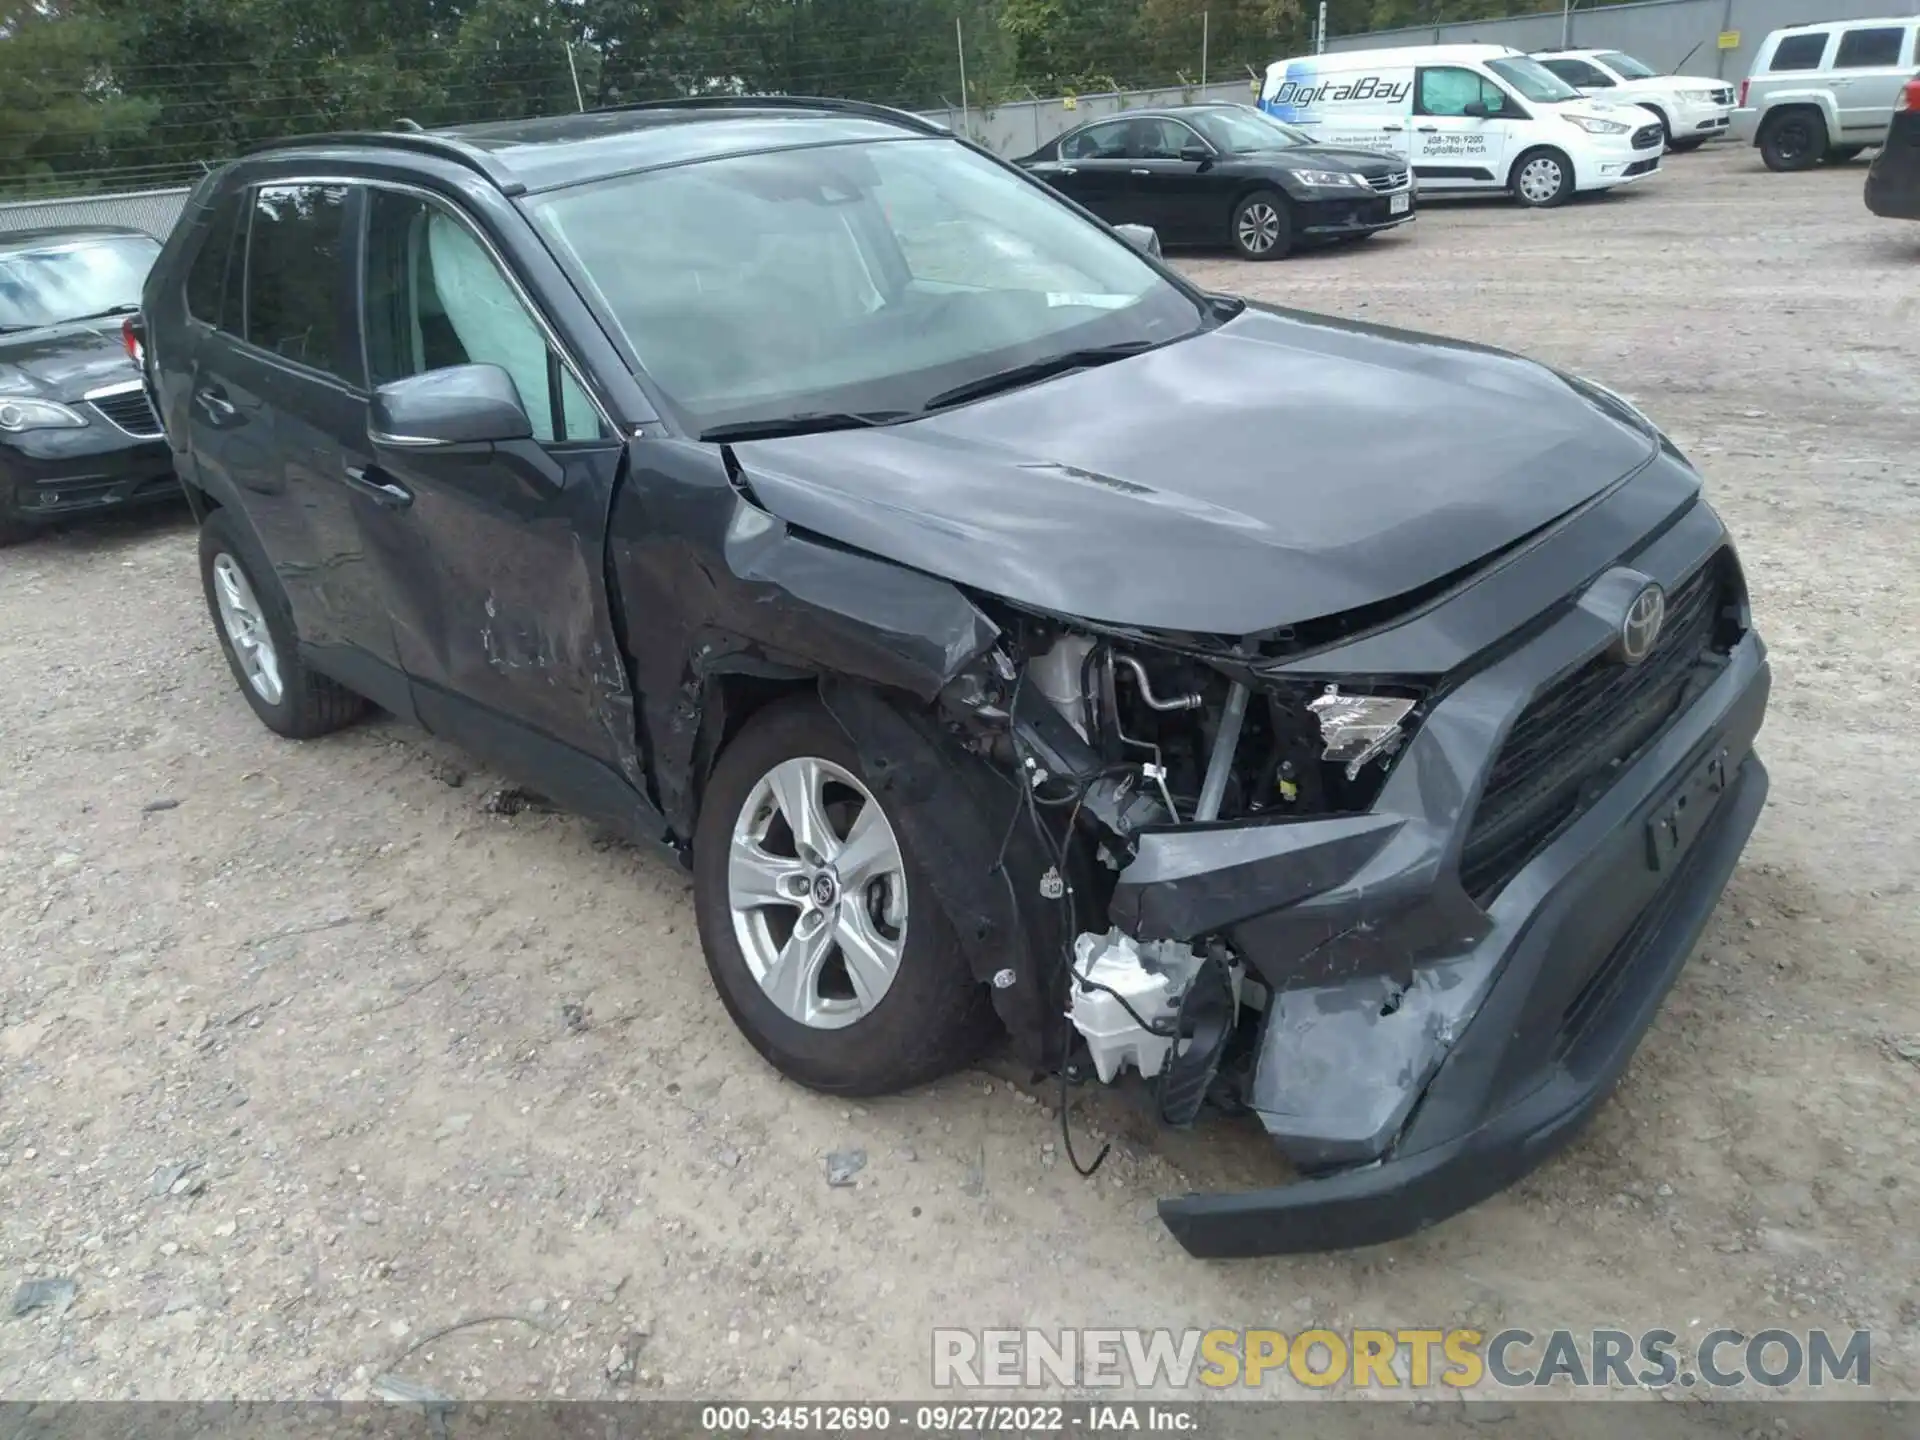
x,y
1870,65
492,557
279,404
1093,169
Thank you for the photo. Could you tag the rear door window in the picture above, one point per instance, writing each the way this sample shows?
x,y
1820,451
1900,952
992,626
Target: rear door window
x,y
296,301
1581,74
1097,142
1798,52
1869,49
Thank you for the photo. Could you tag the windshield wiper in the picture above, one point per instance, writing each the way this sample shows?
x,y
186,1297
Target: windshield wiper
x,y
110,311
1018,375
811,422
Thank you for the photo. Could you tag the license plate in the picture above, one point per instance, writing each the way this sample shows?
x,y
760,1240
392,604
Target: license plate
x,y
1679,822
1399,204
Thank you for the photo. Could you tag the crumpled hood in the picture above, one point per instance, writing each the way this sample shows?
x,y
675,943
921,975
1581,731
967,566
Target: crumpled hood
x,y
64,362
1278,468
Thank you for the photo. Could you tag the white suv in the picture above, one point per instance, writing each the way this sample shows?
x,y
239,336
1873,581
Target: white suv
x,y
1826,92
1692,108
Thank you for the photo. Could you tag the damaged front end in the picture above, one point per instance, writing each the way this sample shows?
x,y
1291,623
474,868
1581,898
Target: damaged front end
x,y
1413,921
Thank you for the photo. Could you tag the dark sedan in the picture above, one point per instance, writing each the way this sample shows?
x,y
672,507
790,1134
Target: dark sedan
x,y
1893,184
76,431
1203,174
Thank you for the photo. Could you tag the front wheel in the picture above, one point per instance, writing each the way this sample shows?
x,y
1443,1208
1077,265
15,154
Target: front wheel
x,y
1688,145
827,947
1542,178
1263,226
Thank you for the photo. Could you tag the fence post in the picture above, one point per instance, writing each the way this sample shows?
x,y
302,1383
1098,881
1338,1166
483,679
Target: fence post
x,y
579,100
1205,18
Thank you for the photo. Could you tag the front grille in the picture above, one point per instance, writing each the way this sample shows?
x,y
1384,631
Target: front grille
x,y
1723,97
1558,754
131,411
1647,135
1388,182
1641,167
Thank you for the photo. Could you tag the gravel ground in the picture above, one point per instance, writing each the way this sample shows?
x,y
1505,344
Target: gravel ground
x,y
309,1054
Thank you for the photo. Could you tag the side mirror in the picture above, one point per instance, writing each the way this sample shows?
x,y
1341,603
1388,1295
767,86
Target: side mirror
x,y
1143,238
1195,154
1477,109
460,405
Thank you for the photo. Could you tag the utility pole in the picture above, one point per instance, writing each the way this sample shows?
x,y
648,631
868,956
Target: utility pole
x,y
1320,37
960,48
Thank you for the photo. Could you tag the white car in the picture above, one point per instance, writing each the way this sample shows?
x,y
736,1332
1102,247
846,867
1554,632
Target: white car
x,y
1468,119
1693,108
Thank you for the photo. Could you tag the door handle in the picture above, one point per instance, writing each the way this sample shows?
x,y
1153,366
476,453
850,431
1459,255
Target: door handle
x,y
217,406
1066,170
1140,172
1390,127
1428,129
373,482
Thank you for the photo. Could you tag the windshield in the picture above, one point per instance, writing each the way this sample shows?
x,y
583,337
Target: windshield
x,y
1624,65
68,280
1239,130
857,278
1532,79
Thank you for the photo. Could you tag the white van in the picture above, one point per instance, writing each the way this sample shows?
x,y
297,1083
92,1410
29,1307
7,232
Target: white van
x,y
1469,119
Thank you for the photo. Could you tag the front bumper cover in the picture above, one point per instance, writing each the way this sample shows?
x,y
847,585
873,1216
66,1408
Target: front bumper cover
x,y
1422,1050
48,474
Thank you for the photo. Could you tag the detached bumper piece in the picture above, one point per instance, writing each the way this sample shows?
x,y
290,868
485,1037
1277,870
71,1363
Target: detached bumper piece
x,y
1408,1192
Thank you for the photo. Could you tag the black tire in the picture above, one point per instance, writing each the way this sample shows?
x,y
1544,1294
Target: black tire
x,y
1542,199
933,1019
13,531
1666,125
310,704
1688,145
1262,227
1793,139
1843,154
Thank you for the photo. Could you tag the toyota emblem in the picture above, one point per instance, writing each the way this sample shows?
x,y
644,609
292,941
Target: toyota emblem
x,y
1641,628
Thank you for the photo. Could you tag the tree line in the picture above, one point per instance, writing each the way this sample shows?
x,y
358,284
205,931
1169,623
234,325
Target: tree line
x,y
127,92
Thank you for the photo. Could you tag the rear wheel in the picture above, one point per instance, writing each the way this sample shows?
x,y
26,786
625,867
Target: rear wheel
x,y
827,947
1542,178
1263,226
256,635
1793,140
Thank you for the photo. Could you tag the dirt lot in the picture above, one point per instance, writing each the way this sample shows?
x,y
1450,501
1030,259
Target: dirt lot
x,y
335,984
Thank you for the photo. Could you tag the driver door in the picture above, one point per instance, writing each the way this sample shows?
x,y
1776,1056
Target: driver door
x,y
1461,125
492,556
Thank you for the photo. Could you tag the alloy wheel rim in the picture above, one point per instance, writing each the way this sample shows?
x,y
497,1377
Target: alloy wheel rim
x,y
1259,228
817,890
246,626
1540,179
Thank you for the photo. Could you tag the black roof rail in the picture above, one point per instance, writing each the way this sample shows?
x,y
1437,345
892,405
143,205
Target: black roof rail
x,y
787,102
419,142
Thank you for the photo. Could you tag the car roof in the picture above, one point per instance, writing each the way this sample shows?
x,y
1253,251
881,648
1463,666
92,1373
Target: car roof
x,y
13,240
1811,25
1404,54
527,156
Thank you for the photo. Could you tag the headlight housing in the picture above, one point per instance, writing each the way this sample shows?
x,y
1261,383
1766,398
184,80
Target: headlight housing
x,y
21,414
1330,179
1699,97
1595,126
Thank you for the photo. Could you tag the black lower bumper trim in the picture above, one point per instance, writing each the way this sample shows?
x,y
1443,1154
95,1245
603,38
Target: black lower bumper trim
x,y
1403,1195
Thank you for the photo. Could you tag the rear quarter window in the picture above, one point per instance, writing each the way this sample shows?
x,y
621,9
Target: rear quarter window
x,y
1870,49
1798,52
207,275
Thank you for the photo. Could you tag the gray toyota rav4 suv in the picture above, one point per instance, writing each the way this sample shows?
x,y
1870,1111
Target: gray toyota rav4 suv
x,y
1318,726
